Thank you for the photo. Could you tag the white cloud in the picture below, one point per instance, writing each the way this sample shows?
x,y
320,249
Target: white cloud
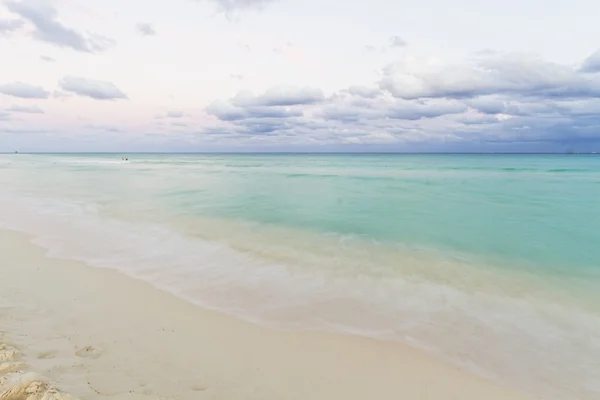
x,y
230,6
98,90
520,74
26,109
24,90
42,15
175,114
279,96
145,29
9,25
397,41
592,63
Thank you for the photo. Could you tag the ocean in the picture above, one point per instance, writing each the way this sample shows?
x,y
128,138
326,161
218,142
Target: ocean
x,y
490,262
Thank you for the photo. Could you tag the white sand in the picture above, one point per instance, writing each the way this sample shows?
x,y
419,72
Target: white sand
x,y
95,333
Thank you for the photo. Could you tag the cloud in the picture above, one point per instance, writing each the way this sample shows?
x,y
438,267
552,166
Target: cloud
x,y
244,46
397,41
24,91
47,58
43,17
411,110
145,29
487,105
26,109
175,114
104,128
364,91
283,48
592,63
344,116
4,116
9,25
232,6
279,96
179,124
226,111
509,74
349,114
237,76
493,99
98,90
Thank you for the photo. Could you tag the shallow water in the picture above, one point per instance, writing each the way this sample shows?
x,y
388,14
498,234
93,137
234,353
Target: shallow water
x,y
489,261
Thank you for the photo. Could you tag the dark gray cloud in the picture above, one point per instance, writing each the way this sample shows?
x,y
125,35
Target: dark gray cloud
x,y
26,109
592,63
98,90
47,58
44,19
9,25
145,29
24,91
499,74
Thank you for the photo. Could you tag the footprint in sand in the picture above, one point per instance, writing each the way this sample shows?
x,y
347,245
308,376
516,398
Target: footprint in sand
x,y
46,355
198,388
89,352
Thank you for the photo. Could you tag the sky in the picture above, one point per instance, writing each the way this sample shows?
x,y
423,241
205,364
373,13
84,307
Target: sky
x,y
292,75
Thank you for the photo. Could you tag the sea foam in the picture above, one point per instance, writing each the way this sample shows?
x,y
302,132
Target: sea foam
x,y
304,281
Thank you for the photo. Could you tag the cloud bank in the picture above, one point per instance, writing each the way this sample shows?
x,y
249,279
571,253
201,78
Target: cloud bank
x,y
489,100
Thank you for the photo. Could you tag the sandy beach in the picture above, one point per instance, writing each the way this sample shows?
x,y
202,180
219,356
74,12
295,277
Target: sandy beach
x,y
94,333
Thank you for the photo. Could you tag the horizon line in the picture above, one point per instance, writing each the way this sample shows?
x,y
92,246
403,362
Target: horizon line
x,y
306,152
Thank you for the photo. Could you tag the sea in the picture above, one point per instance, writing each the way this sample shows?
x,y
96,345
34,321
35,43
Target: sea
x,y
489,262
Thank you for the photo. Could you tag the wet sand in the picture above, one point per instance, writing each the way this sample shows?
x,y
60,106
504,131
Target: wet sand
x,y
94,333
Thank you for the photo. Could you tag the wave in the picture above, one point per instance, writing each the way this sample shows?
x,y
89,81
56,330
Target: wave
x,y
509,328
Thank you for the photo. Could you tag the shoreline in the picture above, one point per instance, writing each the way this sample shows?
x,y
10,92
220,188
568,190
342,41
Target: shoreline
x,y
96,333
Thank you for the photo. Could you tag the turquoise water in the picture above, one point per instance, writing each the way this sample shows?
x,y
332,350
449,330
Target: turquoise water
x,y
489,261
